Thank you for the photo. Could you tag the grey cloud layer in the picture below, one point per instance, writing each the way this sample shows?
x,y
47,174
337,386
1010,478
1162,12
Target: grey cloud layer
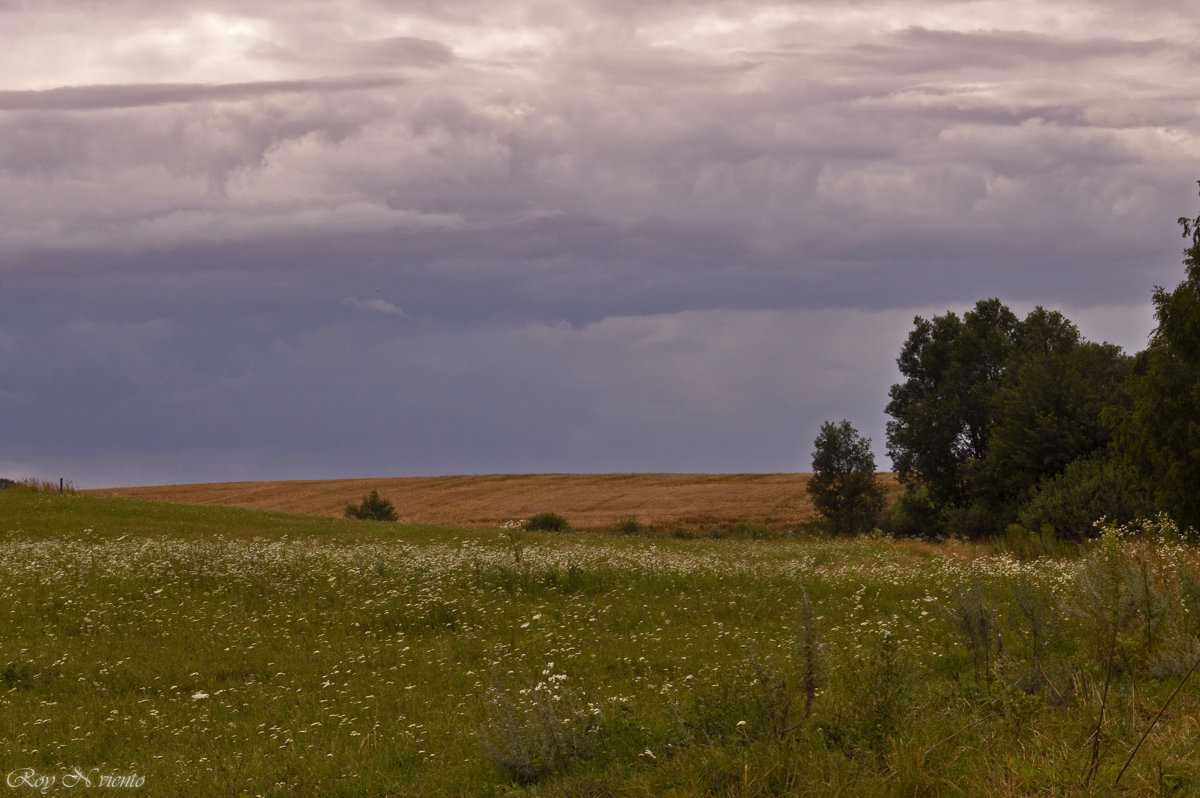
x,y
87,98
913,137
413,184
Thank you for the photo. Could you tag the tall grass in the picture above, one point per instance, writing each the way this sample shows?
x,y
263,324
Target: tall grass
x,y
228,652
35,485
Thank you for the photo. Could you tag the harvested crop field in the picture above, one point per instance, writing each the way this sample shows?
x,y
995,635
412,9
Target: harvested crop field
x,y
589,501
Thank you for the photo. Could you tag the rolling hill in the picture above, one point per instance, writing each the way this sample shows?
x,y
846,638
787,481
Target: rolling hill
x,y
589,501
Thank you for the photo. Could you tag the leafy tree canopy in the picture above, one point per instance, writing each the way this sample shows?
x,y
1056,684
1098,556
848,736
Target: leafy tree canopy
x,y
843,485
1160,436
943,413
992,404
1050,410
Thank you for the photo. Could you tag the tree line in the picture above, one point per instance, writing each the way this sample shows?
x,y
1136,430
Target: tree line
x,y
1003,421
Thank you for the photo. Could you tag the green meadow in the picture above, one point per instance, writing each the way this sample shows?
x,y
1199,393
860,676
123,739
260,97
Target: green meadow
x,y
173,650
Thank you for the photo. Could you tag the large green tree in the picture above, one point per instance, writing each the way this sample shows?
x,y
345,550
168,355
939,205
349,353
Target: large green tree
x,y
843,485
1160,437
993,404
1051,409
943,413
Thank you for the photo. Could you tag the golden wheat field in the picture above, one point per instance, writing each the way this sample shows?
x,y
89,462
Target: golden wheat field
x,y
588,501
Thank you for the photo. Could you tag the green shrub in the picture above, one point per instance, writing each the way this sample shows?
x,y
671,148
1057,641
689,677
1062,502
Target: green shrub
x,y
1027,544
373,508
628,526
547,522
913,516
977,520
1068,505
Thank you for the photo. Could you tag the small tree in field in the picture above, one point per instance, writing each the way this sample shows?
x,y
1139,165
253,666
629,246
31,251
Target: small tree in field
x,y
373,508
843,485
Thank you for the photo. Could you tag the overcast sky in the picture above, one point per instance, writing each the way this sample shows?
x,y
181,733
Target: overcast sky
x,y
301,239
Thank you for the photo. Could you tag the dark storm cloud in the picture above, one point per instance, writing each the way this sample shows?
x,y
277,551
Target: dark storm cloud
x,y
300,239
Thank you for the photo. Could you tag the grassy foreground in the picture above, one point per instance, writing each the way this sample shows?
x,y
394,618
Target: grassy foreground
x,y
201,651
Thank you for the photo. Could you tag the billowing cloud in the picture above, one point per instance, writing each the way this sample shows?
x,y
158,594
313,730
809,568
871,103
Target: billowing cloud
x,y
207,206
